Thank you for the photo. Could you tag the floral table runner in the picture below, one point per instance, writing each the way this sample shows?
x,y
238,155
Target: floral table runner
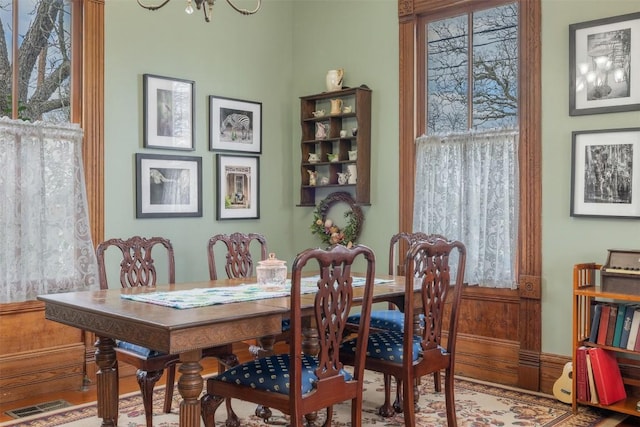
x,y
202,297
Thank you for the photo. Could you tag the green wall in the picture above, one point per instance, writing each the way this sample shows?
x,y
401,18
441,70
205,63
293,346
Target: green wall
x,y
570,240
283,53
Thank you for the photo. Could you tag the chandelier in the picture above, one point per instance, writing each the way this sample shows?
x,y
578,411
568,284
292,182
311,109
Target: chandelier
x,y
206,5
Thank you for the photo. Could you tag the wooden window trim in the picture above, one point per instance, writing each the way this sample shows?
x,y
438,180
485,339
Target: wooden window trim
x,y
529,242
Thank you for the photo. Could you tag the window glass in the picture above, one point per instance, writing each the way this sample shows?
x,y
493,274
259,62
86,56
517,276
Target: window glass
x,y
44,59
447,75
495,67
482,96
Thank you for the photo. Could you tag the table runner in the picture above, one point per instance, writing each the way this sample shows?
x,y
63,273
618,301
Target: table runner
x,y
202,297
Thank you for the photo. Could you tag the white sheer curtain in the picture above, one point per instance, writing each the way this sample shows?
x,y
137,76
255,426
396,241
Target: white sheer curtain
x,y
467,189
45,241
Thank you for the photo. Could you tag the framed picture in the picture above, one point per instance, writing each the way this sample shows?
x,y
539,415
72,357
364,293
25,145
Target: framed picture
x,y
238,187
168,186
605,175
235,125
604,65
168,111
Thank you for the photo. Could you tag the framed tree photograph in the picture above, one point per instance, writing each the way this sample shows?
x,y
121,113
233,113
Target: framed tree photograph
x,y
238,181
235,125
605,175
168,186
604,65
168,113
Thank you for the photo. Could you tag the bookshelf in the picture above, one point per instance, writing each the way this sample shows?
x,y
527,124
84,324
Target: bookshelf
x,y
587,293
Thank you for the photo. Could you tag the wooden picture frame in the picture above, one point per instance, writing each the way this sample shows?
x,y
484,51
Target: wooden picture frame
x,y
605,180
238,187
168,113
235,125
168,186
604,66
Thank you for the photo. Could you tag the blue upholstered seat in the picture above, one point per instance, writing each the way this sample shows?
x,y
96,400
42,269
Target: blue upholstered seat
x,y
138,349
272,374
392,320
385,345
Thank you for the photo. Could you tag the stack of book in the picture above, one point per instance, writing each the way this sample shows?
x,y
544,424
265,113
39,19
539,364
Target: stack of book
x,y
616,325
598,378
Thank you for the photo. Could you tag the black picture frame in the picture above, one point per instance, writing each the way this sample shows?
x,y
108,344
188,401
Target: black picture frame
x,y
238,187
235,125
168,186
604,65
605,175
168,113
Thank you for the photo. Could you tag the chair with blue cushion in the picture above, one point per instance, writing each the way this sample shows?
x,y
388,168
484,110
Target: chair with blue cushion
x,y
410,354
295,383
137,268
392,318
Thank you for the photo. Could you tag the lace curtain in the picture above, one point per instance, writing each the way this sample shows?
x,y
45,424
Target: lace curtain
x,y
467,189
45,241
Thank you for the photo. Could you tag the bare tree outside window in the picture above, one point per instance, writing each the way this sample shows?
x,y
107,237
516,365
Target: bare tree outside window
x,y
44,59
456,101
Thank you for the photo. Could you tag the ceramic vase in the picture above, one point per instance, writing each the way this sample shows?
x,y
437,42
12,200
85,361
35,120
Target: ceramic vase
x,y
352,171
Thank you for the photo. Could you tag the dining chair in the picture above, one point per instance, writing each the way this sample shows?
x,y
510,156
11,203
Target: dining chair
x,y
138,268
298,384
409,354
239,263
392,318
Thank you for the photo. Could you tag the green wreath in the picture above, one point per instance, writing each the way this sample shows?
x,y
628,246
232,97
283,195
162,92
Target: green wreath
x,y
328,231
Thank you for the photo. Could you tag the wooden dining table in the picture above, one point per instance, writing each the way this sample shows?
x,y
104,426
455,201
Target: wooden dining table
x,y
177,331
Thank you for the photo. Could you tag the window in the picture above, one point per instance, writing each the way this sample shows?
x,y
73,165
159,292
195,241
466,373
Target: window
x,y
40,51
45,242
467,176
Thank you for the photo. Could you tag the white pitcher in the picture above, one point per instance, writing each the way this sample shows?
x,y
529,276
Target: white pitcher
x,y
334,79
352,172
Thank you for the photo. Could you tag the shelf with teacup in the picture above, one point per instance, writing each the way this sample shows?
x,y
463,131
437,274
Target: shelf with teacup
x,y
335,143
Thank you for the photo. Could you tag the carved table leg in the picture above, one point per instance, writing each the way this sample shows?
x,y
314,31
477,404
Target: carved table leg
x,y
190,387
107,381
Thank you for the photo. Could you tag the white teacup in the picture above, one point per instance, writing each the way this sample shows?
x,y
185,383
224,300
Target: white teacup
x,y
353,155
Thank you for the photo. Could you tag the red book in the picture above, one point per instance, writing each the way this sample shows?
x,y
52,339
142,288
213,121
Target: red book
x,y
604,324
582,379
606,374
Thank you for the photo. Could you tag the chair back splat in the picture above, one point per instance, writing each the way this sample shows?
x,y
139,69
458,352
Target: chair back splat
x,y
137,267
239,262
304,384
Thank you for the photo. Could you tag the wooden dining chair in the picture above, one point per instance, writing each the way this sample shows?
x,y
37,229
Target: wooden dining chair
x,y
392,318
138,268
409,354
239,262
295,383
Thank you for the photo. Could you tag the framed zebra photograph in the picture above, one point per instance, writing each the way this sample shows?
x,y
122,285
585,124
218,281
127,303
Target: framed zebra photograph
x,y
238,184
168,113
235,125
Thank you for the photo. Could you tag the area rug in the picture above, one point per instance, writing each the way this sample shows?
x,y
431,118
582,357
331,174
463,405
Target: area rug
x,y
477,405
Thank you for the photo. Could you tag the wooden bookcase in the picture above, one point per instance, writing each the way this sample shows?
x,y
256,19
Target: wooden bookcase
x,y
586,291
359,118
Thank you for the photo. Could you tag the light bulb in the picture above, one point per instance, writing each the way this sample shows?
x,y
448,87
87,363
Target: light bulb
x,y
189,8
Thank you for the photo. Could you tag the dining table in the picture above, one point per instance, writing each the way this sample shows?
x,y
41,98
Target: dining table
x,y
183,319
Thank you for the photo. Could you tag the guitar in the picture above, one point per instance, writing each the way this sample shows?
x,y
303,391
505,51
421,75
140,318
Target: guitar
x,y
563,387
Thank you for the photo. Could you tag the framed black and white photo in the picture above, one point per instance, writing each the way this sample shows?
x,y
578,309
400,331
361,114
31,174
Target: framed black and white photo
x,y
238,187
168,111
235,125
604,65
605,175
168,186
